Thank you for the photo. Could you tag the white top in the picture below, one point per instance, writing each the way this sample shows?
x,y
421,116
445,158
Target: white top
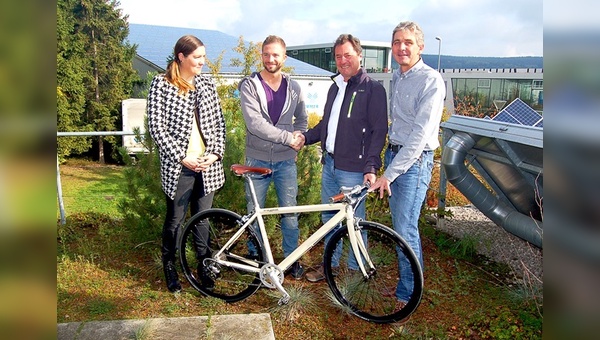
x,y
335,113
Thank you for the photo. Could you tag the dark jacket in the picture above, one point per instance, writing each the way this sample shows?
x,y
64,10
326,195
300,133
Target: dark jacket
x,y
361,133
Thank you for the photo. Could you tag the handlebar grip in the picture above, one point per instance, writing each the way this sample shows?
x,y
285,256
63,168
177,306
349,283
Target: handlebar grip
x,y
336,198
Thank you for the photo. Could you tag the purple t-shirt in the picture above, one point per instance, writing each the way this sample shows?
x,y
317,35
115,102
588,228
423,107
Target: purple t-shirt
x,y
275,99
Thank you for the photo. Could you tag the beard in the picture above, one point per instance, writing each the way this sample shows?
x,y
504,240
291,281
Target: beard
x,y
273,68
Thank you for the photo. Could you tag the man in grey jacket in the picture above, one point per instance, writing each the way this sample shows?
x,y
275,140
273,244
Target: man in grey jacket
x,y
273,108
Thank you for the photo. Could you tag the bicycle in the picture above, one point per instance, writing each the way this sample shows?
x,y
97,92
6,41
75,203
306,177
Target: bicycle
x,y
231,271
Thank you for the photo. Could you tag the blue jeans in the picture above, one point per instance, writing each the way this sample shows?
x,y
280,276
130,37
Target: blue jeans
x,y
332,180
408,194
284,175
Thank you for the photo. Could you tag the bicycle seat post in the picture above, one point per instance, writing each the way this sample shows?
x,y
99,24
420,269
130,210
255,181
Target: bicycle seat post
x,y
248,179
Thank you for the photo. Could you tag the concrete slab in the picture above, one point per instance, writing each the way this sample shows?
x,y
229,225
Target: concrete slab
x,y
233,327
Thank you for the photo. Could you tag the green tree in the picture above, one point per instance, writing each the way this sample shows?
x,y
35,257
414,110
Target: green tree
x,y
103,64
250,54
70,73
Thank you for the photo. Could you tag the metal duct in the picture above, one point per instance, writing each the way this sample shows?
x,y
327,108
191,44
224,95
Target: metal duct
x,y
453,160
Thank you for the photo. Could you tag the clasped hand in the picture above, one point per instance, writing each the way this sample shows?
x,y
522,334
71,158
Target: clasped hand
x,y
199,164
297,140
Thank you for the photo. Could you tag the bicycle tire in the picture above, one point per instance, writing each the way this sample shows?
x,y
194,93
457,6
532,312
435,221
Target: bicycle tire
x,y
373,298
230,284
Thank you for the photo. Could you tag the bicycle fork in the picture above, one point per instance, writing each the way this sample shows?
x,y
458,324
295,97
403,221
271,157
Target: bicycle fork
x,y
357,243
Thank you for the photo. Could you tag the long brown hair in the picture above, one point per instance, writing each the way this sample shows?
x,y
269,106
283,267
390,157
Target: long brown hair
x,y
185,45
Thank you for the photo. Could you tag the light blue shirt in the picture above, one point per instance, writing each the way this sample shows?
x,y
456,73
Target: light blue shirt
x,y
416,106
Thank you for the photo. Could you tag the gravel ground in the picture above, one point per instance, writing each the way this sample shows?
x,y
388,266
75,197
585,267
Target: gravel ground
x,y
524,259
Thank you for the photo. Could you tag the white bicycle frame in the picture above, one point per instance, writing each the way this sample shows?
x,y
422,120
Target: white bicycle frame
x,y
345,211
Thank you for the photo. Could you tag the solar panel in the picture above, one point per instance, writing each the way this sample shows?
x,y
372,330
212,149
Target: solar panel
x,y
504,116
155,44
518,112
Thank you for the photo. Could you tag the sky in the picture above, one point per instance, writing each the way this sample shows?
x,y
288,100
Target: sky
x,y
484,28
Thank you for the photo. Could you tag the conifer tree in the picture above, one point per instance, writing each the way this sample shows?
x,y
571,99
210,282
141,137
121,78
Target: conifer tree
x,y
95,31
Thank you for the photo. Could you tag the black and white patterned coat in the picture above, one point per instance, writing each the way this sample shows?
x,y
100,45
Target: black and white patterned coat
x,y
170,119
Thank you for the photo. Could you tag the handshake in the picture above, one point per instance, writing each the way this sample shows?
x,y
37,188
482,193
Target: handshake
x,y
297,141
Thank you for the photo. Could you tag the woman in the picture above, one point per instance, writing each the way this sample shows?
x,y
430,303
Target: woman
x,y
186,122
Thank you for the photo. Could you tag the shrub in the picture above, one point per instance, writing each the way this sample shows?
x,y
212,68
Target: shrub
x,y
143,207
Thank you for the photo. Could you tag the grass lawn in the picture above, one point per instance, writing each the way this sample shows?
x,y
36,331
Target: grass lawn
x,y
89,187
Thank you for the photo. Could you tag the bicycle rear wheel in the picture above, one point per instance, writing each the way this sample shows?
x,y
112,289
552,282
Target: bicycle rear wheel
x,y
213,228
373,298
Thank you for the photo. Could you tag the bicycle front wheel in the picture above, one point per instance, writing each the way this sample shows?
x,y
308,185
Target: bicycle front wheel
x,y
206,233
372,298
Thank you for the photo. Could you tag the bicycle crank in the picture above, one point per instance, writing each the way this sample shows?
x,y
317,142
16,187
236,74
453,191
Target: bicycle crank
x,y
272,277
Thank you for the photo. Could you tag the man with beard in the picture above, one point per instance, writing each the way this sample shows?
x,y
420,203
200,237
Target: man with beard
x,y
273,108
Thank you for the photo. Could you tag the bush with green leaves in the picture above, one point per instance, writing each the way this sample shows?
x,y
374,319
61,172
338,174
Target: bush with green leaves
x,y
143,207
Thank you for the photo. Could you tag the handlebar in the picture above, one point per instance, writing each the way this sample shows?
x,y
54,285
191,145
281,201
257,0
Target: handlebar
x,y
348,193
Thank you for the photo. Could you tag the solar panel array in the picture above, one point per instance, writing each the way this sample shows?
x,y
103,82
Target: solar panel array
x,y
155,44
517,112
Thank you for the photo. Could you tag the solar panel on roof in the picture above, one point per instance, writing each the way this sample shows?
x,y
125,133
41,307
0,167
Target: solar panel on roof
x,y
518,112
155,44
503,116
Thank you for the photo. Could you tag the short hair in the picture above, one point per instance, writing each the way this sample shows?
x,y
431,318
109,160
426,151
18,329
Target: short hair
x,y
272,39
354,41
413,27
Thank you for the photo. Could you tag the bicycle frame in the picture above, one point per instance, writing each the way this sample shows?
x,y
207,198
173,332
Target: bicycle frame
x,y
345,211
364,279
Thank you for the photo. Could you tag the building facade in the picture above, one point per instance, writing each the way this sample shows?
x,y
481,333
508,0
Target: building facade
x,y
484,92
477,92
377,57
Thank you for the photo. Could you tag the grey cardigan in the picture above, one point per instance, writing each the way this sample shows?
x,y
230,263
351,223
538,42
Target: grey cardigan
x,y
265,141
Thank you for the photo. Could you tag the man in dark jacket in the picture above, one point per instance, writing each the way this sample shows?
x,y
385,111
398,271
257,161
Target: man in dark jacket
x,y
352,132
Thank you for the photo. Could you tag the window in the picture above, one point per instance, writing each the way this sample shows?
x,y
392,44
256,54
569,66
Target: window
x,y
483,83
538,84
370,53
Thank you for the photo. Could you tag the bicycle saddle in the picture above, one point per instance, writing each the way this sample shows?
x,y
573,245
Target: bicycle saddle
x,y
239,170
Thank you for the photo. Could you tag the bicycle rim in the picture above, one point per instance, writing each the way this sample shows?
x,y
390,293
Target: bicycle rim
x,y
372,298
230,284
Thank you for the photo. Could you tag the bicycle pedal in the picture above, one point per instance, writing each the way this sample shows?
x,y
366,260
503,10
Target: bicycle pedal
x,y
284,300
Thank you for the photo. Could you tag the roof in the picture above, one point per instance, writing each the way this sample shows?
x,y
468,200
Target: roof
x,y
363,43
155,44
